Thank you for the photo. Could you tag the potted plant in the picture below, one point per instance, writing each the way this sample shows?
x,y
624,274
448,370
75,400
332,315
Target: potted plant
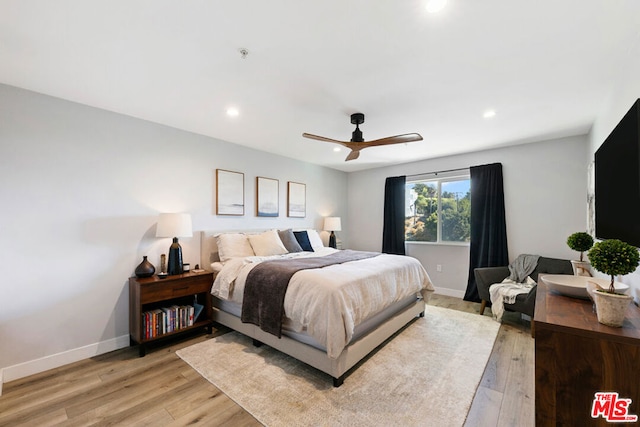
x,y
612,257
580,242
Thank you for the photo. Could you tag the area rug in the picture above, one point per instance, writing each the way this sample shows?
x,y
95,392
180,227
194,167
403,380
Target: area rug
x,y
426,375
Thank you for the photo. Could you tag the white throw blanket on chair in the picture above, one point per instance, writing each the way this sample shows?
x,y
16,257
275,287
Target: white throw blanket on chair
x,y
517,283
506,292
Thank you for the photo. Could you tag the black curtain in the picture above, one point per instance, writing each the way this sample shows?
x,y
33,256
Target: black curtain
x,y
394,215
488,225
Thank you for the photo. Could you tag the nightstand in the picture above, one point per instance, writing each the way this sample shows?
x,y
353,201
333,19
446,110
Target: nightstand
x,y
161,308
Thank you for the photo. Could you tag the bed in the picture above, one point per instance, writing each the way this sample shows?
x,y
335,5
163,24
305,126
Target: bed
x,y
335,315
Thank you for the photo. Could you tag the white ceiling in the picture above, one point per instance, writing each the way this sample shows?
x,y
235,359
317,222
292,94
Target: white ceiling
x,y
546,67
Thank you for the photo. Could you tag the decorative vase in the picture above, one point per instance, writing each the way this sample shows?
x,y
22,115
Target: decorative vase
x,y
611,308
581,268
175,258
145,268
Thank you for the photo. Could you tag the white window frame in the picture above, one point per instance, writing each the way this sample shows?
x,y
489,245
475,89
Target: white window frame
x,y
439,178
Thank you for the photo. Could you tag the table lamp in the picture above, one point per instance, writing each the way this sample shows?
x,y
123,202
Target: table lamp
x,y
332,223
174,225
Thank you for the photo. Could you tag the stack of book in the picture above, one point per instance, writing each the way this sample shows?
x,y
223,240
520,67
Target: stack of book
x,y
168,319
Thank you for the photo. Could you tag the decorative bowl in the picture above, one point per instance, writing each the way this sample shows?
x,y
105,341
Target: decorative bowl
x,y
576,286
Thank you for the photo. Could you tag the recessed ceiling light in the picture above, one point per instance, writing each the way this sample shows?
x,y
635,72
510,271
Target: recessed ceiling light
x,y
434,6
489,114
233,112
336,149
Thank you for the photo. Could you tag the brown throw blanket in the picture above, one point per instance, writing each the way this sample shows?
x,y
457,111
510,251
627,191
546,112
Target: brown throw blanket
x,y
267,282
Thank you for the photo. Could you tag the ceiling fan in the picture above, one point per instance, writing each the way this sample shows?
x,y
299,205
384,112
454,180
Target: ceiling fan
x,y
357,143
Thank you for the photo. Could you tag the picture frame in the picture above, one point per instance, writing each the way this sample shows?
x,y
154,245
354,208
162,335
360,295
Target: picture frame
x,y
296,200
229,192
267,197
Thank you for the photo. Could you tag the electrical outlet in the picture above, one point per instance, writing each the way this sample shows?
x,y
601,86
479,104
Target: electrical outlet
x,y
439,268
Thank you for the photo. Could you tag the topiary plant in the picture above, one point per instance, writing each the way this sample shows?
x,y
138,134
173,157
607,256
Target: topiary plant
x,y
614,257
580,242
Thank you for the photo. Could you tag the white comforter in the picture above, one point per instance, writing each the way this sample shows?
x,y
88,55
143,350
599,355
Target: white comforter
x,y
329,302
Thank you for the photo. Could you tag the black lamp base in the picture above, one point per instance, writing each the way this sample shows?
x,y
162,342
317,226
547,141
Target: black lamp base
x,y
332,240
175,258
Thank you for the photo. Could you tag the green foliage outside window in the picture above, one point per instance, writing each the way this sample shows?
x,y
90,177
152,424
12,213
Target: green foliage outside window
x,y
422,222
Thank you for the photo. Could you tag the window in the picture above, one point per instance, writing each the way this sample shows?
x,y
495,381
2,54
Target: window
x,y
438,210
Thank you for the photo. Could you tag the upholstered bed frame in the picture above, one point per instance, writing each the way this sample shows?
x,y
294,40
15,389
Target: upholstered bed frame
x,y
336,368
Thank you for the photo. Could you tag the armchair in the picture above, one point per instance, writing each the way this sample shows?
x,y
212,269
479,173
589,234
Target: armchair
x,y
525,303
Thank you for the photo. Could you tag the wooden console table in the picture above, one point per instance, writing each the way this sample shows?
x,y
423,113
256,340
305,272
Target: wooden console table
x,y
576,356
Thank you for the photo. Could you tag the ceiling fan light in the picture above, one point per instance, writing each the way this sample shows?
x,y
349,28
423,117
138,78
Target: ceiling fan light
x,y
434,6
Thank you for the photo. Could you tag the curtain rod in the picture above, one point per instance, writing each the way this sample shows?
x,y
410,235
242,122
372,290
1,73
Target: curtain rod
x,y
437,172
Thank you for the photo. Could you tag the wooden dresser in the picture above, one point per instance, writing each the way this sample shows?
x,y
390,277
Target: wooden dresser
x,y
575,357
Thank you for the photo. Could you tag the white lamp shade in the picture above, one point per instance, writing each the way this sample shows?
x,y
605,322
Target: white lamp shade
x,y
174,225
332,223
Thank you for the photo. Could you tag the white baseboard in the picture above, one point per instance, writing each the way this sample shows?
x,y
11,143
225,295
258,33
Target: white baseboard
x,y
449,292
36,366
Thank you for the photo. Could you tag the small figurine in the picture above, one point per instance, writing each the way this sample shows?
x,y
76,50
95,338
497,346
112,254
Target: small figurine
x,y
163,263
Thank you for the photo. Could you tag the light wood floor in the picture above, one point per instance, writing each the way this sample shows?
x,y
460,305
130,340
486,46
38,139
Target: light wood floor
x,y
120,388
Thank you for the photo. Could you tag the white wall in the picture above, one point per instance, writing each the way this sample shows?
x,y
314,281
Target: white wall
x,y
81,189
625,92
545,200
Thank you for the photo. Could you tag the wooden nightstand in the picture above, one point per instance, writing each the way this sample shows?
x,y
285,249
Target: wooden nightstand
x,y
159,308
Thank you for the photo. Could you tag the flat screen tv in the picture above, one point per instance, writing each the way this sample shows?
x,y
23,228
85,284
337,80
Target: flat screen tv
x,y
617,181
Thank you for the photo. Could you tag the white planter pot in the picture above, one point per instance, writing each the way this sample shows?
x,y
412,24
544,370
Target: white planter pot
x,y
581,268
611,308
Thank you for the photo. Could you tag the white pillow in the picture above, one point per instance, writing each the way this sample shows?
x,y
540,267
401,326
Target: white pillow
x,y
315,240
233,245
216,267
267,243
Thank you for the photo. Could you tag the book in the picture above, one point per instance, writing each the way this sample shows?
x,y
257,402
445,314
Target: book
x,y
197,310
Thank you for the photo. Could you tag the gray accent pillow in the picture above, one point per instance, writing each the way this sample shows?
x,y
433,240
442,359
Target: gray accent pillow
x,y
289,240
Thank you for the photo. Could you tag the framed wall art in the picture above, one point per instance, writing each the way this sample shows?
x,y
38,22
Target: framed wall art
x,y
267,197
229,192
296,200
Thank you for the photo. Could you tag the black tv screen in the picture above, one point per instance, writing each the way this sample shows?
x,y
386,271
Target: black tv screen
x,y
617,181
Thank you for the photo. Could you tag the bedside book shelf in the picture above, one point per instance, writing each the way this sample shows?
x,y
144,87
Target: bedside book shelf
x,y
161,308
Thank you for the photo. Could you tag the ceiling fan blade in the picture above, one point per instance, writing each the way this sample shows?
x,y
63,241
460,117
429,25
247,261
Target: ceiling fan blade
x,y
398,139
322,138
354,154
356,144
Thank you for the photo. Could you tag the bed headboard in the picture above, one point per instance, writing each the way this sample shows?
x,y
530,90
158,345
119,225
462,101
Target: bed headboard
x,y
208,249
